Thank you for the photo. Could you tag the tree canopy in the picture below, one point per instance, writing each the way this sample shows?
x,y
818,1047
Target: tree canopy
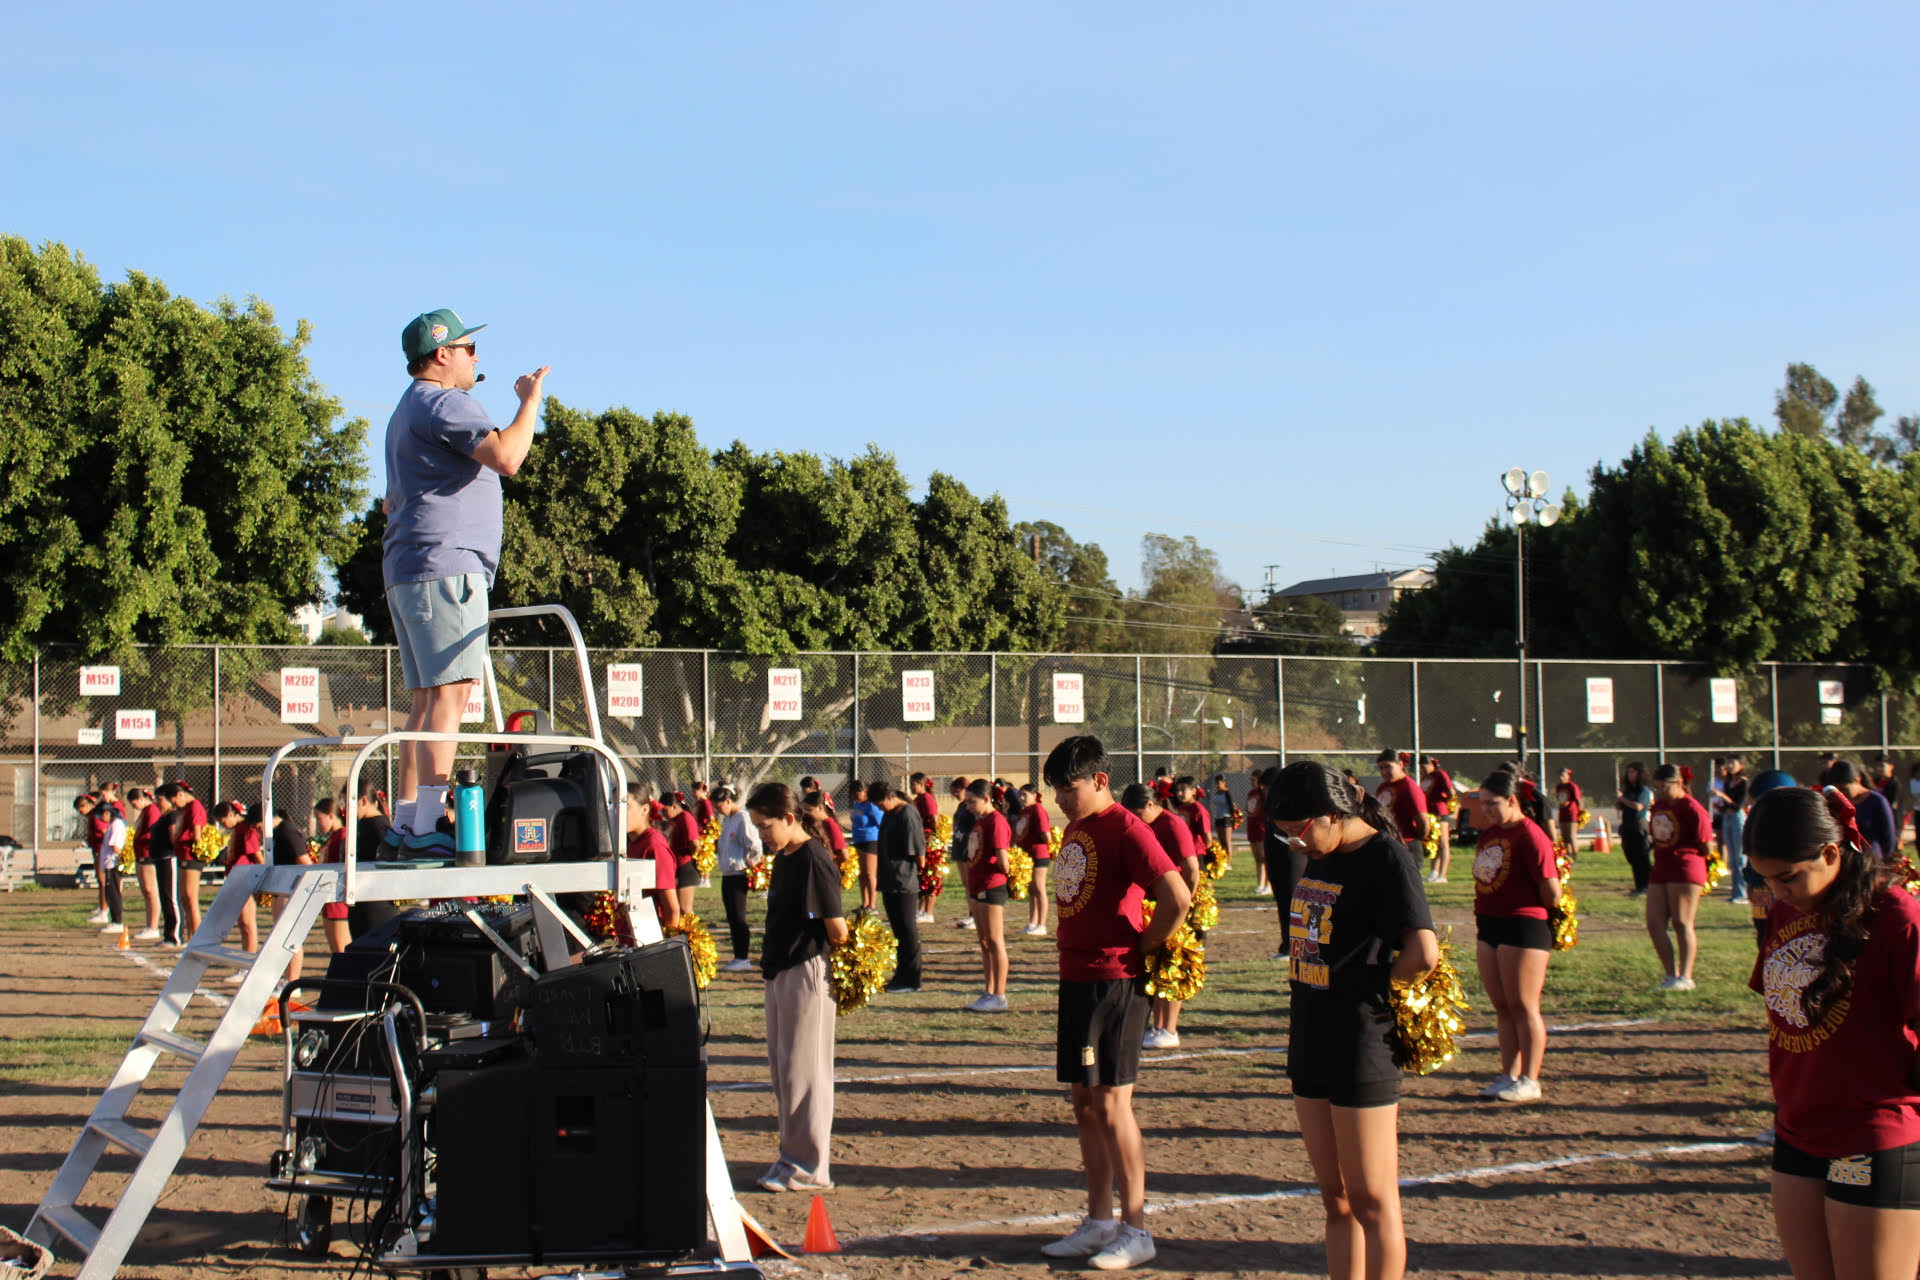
x,y
168,472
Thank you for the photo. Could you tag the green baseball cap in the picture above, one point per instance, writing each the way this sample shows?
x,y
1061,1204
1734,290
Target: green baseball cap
x,y
427,333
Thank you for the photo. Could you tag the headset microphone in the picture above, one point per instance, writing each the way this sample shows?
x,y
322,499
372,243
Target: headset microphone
x,y
479,377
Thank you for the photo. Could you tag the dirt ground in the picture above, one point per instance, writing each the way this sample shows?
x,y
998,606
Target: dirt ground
x,y
954,1151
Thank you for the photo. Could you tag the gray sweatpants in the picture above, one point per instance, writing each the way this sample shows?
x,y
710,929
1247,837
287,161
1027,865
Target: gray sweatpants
x,y
800,1017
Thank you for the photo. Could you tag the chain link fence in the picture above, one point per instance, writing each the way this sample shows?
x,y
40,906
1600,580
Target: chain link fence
x,y
211,715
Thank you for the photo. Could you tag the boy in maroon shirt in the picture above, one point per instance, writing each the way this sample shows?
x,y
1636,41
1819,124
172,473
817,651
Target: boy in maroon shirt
x,y
1108,864
1399,795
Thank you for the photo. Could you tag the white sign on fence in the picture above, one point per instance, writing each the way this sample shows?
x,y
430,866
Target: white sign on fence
x,y
626,689
135,726
1725,696
476,711
299,695
783,693
1600,700
1502,731
916,695
1069,698
1830,715
1833,693
99,682
94,737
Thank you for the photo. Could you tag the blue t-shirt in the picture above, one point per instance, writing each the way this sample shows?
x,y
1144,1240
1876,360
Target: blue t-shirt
x,y
443,516
1875,817
866,822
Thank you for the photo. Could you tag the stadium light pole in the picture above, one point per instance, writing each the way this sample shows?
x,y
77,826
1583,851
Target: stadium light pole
x,y
1526,500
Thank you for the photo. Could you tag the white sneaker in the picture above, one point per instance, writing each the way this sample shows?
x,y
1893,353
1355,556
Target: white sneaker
x,y
1035,931
1131,1246
147,935
113,928
1500,1082
1521,1090
1683,984
1263,890
1160,1038
988,1004
965,923
99,917
1085,1240
1669,983
925,917
737,966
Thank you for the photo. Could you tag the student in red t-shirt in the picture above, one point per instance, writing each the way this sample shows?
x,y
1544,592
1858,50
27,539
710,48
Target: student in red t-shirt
x,y
1176,838
1681,833
703,810
1515,882
243,850
987,846
1108,864
1566,793
191,816
1436,785
683,837
1034,834
1256,811
644,840
146,813
1840,970
927,805
1401,797
1188,804
333,829
819,806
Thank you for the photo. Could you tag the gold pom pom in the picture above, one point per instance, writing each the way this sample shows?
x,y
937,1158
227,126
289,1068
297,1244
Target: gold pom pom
x,y
1178,969
1906,875
125,863
1564,916
706,850
1582,818
1054,837
209,842
1431,841
1222,860
760,875
858,968
1716,869
706,959
1428,1014
1204,914
1019,873
602,915
941,841
849,868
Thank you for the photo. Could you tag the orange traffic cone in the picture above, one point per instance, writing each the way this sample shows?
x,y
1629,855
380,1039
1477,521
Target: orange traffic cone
x,y
269,1024
759,1243
1601,842
820,1237
123,944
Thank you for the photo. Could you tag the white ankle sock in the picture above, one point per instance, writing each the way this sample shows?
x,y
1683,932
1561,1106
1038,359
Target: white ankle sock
x,y
403,816
428,808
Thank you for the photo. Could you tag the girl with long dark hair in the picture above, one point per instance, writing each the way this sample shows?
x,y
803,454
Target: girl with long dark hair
x,y
987,845
1634,800
1515,882
1840,970
804,920
1682,833
1359,926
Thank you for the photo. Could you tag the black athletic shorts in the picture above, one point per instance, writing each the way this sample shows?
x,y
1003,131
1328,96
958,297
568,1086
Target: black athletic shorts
x,y
1515,931
1887,1179
1349,1093
687,877
994,897
1100,1025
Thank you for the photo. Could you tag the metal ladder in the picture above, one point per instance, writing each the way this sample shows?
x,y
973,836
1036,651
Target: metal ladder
x,y
59,1217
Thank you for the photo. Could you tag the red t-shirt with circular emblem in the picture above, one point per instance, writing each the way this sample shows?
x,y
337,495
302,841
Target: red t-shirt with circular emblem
x,y
1507,870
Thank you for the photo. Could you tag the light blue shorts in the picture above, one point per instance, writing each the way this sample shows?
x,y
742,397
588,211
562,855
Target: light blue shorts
x,y
441,628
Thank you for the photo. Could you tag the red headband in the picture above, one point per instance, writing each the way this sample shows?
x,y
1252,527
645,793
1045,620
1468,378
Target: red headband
x,y
1844,816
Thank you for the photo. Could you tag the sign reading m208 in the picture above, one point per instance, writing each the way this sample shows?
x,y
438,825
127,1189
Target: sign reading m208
x,y
299,695
626,689
916,695
783,693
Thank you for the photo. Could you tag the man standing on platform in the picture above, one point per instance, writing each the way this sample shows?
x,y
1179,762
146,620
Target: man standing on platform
x,y
901,849
441,550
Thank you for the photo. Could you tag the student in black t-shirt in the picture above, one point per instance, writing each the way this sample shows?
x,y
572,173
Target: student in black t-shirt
x,y
1358,925
804,920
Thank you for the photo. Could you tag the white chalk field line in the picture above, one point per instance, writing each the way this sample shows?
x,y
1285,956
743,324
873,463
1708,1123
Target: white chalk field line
x,y
936,1232
901,1077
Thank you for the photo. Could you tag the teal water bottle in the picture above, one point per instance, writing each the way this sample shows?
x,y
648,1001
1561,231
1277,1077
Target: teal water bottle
x,y
469,821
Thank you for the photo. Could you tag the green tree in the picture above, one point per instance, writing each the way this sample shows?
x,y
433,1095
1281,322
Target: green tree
x,y
1853,425
1095,606
168,472
1468,610
1304,626
1804,404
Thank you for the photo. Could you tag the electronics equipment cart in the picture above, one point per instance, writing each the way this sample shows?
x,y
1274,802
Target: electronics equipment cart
x,y
395,1066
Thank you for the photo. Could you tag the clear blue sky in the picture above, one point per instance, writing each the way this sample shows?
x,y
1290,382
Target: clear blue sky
x,y
1298,280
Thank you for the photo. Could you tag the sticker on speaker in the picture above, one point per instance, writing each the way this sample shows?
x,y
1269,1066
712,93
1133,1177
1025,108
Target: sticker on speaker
x,y
529,835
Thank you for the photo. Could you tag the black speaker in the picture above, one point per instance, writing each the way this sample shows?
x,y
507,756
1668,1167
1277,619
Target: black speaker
x,y
478,1130
549,808
619,1155
632,1004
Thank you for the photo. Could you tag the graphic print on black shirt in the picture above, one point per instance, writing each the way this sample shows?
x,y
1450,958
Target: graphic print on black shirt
x,y
1310,926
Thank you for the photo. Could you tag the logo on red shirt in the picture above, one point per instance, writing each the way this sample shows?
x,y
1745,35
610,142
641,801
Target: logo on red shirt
x,y
1491,866
1075,868
1663,828
1798,955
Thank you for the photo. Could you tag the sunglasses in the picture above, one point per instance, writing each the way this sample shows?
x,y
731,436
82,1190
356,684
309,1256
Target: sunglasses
x,y
471,348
